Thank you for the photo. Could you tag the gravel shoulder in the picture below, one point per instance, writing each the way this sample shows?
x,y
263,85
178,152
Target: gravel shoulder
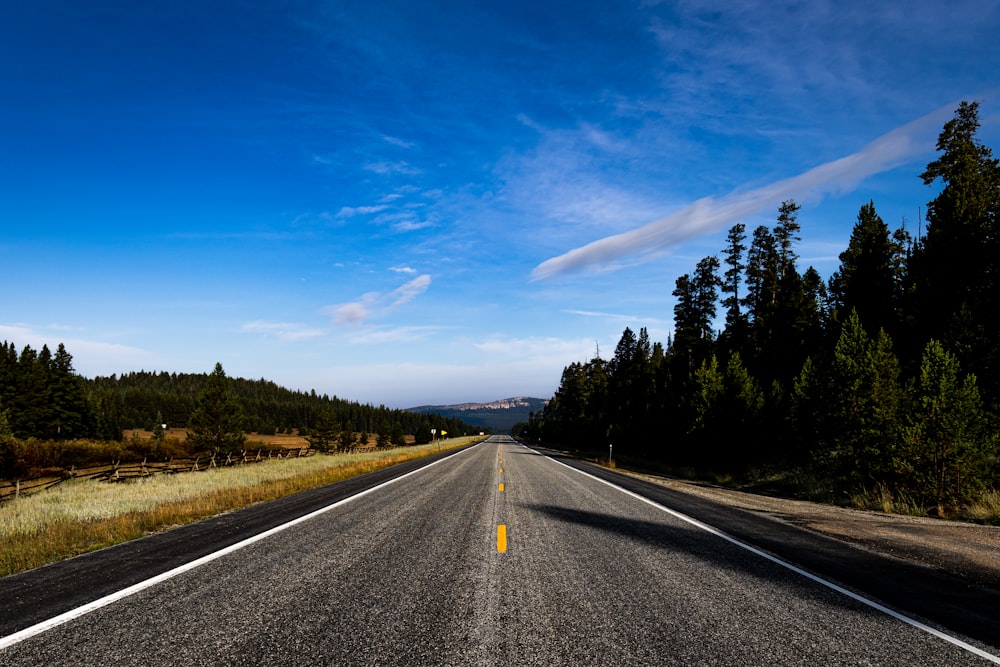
x,y
968,550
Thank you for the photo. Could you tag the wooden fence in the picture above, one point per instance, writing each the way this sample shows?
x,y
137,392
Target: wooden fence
x,y
122,472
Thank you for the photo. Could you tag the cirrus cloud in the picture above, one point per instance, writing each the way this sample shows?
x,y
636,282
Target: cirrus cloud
x,y
373,304
710,214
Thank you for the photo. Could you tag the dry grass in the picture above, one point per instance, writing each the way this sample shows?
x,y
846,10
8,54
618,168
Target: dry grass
x,y
80,516
883,499
987,509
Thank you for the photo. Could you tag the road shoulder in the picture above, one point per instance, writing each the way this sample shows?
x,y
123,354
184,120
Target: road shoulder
x,y
967,550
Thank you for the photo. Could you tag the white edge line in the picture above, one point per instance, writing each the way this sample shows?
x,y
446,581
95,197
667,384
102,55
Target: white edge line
x,y
65,617
829,584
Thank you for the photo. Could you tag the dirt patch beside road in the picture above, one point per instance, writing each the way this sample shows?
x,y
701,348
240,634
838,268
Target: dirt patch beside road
x,y
969,550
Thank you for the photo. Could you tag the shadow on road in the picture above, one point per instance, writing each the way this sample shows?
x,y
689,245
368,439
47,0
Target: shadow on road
x,y
911,589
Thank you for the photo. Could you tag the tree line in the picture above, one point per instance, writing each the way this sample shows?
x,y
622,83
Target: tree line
x,y
135,399
883,375
42,397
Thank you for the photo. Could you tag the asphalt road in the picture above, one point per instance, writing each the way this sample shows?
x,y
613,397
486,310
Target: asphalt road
x,y
496,555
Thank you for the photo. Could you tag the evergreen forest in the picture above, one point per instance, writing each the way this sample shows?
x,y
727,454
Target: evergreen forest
x,y
885,376
43,398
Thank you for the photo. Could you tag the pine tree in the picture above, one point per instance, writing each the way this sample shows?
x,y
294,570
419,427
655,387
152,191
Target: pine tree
x,y
687,339
398,438
11,464
735,334
948,450
706,397
384,438
956,267
423,434
72,412
706,284
694,312
217,422
725,413
762,274
346,438
324,431
856,403
786,234
866,279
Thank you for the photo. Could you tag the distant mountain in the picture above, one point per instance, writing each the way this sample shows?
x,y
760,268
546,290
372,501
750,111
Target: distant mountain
x,y
499,416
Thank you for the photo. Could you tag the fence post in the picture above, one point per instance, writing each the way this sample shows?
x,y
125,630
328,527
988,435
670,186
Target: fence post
x,y
17,488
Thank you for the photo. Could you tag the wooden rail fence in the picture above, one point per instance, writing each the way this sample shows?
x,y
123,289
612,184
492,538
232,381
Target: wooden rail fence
x,y
123,472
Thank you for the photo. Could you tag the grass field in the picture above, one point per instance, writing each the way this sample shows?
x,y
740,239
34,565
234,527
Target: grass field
x,y
79,516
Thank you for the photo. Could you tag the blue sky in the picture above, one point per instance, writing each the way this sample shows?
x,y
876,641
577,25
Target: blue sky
x,y
435,202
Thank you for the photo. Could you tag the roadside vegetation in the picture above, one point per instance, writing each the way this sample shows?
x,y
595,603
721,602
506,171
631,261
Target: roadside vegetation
x,y
79,516
48,417
878,387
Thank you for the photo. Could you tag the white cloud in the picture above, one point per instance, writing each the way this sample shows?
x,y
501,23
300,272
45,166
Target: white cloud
x,y
403,269
709,215
388,168
409,291
550,351
350,313
351,211
375,304
380,335
617,317
287,331
399,143
403,221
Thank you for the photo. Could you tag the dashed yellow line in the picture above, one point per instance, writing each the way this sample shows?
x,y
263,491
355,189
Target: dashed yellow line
x,y
502,538
501,487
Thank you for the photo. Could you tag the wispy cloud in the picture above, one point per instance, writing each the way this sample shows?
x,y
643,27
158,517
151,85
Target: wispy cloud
x,y
374,304
287,331
403,221
381,335
537,349
396,141
708,215
388,168
354,312
403,269
351,211
412,225
409,291
579,178
616,317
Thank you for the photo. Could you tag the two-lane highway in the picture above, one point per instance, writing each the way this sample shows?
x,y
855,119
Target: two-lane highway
x,y
495,555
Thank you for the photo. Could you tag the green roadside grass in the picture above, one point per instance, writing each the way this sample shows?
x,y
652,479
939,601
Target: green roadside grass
x,y
80,516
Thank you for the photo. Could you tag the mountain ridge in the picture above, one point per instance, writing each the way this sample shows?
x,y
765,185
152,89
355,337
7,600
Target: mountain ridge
x,y
500,415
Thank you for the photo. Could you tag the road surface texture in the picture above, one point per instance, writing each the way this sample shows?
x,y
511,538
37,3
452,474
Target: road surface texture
x,y
495,555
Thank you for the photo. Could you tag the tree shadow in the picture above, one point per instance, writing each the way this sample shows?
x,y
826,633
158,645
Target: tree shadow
x,y
913,590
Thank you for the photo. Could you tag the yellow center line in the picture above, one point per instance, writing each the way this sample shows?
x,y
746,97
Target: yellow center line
x,y
502,538
501,487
